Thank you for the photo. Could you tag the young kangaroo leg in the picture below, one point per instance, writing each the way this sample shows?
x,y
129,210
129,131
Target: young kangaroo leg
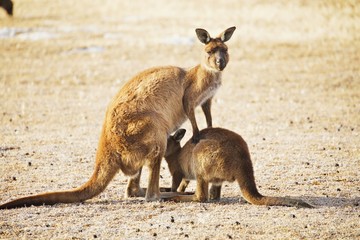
x,y
215,192
177,180
201,193
183,185
206,107
133,188
202,190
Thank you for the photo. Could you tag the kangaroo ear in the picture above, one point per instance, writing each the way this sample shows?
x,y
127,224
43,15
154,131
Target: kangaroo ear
x,y
179,134
203,35
226,35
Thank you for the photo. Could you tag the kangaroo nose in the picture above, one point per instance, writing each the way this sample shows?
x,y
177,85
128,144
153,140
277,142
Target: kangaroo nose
x,y
220,63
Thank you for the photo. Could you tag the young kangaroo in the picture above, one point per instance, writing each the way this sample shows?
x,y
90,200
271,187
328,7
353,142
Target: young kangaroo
x,y
221,155
140,118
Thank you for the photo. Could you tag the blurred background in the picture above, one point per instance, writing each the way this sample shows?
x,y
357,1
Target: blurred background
x,y
291,89
291,62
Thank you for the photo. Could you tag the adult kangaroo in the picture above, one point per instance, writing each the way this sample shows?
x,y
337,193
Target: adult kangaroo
x,y
221,155
139,119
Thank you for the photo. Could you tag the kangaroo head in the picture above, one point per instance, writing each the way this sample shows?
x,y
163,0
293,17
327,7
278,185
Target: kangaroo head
x,y
173,142
215,57
173,150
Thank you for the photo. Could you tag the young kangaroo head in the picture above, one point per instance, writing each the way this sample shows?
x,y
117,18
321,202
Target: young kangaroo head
x,y
173,149
173,142
215,55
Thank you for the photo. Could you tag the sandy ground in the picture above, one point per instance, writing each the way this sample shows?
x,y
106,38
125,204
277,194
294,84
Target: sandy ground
x,y
291,89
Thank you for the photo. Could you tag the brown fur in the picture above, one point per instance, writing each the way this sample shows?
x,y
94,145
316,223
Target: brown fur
x,y
221,155
140,117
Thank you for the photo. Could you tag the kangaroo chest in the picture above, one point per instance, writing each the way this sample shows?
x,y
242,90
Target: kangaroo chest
x,y
208,91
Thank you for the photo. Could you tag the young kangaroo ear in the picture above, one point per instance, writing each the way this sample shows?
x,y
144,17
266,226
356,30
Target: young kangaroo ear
x,y
226,35
179,134
203,35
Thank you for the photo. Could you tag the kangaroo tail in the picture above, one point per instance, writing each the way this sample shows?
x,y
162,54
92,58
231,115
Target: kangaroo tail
x,y
251,194
103,174
284,201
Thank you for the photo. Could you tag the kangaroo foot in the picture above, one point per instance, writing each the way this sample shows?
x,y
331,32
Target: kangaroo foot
x,y
135,192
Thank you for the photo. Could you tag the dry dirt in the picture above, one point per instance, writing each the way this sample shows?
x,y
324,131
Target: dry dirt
x,y
291,89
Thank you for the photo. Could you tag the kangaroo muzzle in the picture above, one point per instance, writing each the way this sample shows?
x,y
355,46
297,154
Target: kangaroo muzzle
x,y
220,63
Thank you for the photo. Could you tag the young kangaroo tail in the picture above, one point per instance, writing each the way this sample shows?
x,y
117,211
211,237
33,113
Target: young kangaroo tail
x,y
251,194
101,177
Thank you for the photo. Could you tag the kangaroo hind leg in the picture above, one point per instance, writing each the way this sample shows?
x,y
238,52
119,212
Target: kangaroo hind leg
x,y
133,188
153,189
